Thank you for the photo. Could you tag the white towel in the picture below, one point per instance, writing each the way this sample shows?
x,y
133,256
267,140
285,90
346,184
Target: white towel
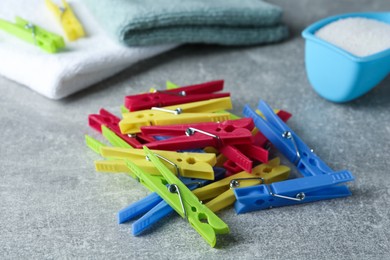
x,y
81,64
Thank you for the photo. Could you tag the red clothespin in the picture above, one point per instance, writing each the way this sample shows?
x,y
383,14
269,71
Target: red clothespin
x,y
255,151
233,138
243,153
162,98
200,135
110,121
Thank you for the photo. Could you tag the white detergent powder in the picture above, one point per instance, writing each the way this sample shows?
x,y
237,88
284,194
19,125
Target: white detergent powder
x,y
357,35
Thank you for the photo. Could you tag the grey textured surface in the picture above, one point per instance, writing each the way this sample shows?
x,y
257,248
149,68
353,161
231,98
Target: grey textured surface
x,y
54,205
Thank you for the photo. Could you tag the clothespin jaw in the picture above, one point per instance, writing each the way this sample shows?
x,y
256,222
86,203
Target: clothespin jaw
x,y
108,124
113,166
194,112
70,24
191,165
28,32
175,96
221,192
204,221
153,208
319,181
93,144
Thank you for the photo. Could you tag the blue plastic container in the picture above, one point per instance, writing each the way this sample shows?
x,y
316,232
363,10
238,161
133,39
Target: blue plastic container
x,y
338,75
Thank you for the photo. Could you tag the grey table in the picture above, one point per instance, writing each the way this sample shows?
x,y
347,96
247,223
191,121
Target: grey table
x,y
54,205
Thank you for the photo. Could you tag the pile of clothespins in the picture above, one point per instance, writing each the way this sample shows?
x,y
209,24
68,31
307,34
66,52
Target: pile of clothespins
x,y
196,158
38,36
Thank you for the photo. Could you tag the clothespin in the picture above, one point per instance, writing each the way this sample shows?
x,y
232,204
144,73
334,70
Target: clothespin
x,y
182,200
232,138
200,135
69,22
33,34
175,96
258,138
108,124
153,208
195,112
221,194
115,165
319,181
191,165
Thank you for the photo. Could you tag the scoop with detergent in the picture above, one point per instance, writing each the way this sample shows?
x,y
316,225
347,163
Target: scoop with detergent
x,y
347,55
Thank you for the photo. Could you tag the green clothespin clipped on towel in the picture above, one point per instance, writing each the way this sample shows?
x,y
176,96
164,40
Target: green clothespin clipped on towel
x,y
181,199
28,32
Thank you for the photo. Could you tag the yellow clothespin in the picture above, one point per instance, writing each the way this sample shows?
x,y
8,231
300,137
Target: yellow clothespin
x,y
33,34
70,24
195,112
221,192
191,165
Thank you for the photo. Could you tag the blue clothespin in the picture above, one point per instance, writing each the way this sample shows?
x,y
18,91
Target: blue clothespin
x,y
154,208
319,181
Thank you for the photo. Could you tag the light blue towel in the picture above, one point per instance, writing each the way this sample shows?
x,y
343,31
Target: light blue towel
x,y
225,22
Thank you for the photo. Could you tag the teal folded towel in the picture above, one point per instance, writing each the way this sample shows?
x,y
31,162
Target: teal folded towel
x,y
225,22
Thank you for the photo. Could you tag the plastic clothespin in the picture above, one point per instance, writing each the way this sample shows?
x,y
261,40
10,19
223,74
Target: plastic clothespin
x,y
319,181
191,165
258,138
28,32
233,138
154,208
70,24
195,112
108,124
221,193
200,135
182,200
170,85
175,96
116,166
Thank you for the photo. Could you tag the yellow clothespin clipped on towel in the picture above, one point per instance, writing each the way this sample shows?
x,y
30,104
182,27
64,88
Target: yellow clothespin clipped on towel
x,y
221,193
191,165
70,24
33,34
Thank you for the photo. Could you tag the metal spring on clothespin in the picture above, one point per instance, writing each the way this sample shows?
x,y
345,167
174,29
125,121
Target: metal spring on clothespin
x,y
235,183
31,27
288,135
181,93
177,111
173,188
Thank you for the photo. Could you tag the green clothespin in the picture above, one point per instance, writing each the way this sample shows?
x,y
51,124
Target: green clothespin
x,y
124,109
113,139
171,85
181,199
33,34
113,165
93,144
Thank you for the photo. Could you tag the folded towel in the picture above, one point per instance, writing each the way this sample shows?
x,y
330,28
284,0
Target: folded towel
x,y
226,22
81,64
